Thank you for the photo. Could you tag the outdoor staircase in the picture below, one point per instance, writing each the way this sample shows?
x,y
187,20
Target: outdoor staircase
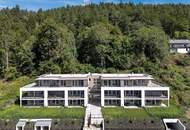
x,y
93,118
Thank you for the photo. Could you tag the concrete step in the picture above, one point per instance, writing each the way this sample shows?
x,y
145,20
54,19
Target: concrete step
x,y
94,114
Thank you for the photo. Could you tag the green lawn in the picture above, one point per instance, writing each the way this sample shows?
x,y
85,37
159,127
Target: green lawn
x,y
16,112
120,112
170,112
142,113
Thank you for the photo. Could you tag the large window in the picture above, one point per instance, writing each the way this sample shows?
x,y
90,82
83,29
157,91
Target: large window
x,y
56,102
76,93
76,102
60,83
160,94
112,93
132,102
132,93
136,82
33,102
111,83
54,83
55,94
33,94
153,102
47,83
111,102
79,83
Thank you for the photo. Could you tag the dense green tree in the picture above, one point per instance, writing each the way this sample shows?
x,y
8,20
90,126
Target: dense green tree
x,y
151,42
95,44
107,36
56,43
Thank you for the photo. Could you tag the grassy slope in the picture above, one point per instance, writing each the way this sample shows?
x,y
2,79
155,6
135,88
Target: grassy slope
x,y
9,91
119,112
16,112
142,113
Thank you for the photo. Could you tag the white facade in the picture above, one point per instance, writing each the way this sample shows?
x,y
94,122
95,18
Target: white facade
x,y
180,46
142,99
126,90
49,90
135,90
39,124
173,124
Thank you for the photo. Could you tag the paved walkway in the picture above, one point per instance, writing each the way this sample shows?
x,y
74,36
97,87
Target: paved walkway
x,y
93,117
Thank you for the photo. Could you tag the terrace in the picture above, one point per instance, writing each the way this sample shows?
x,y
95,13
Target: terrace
x,y
152,94
132,94
56,95
112,94
32,95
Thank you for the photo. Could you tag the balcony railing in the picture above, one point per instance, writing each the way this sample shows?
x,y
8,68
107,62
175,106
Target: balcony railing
x,y
112,96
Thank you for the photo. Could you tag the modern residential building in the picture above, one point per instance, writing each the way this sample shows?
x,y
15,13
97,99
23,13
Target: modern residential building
x,y
179,46
132,90
127,90
56,90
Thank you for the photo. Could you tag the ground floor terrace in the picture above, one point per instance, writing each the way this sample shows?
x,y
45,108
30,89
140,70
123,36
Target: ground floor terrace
x,y
135,96
53,97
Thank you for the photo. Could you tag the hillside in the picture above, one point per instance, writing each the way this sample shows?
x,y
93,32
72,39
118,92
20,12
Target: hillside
x,y
97,38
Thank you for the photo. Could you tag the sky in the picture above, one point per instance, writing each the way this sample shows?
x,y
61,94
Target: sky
x,y
48,4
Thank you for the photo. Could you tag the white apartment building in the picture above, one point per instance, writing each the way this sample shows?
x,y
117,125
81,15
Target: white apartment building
x,y
126,90
132,90
179,46
56,90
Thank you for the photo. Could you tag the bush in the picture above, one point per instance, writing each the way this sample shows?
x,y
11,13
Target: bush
x,y
49,67
11,73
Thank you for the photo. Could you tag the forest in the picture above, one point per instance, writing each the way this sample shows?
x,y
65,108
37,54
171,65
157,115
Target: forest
x,y
97,38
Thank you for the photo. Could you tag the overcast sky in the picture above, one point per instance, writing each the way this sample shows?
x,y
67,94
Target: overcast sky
x,y
48,4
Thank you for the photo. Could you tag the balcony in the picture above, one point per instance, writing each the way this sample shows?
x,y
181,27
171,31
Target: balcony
x,y
157,102
33,102
62,83
111,94
56,102
76,102
56,95
75,94
132,103
132,94
156,94
33,95
112,102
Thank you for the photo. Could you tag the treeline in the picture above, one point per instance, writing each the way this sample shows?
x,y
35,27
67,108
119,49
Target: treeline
x,y
94,38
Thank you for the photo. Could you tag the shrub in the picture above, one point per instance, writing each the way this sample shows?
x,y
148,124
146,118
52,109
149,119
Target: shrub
x,y
11,73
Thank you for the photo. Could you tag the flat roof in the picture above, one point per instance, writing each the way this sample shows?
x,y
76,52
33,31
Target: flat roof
x,y
126,76
29,85
21,123
179,41
85,76
43,123
62,76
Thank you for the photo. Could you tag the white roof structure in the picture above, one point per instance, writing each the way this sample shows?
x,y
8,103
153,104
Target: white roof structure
x,y
38,122
43,123
85,76
126,76
179,41
173,124
62,76
21,123
30,85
